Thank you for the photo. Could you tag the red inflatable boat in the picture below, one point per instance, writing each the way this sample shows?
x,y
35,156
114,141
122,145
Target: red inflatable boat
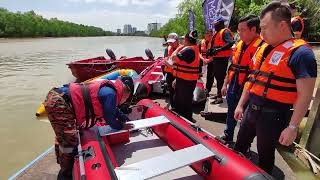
x,y
161,145
89,68
153,80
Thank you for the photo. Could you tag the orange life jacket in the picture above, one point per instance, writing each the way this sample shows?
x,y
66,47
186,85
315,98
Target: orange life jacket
x,y
272,78
298,18
219,42
204,47
240,68
186,71
168,69
85,100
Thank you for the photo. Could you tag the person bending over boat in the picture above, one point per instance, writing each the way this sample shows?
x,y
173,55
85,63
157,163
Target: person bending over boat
x,y
77,106
185,63
283,77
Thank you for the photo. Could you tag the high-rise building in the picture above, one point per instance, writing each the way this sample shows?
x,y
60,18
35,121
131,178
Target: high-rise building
x,y
118,31
134,30
153,27
127,29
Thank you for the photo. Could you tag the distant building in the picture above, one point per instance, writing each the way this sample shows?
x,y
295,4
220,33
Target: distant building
x,y
127,29
134,30
153,27
118,31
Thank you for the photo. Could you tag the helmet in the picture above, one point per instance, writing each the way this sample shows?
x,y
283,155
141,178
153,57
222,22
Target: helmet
x,y
126,80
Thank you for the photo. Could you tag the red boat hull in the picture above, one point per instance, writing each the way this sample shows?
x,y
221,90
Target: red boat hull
x,y
90,68
180,134
177,134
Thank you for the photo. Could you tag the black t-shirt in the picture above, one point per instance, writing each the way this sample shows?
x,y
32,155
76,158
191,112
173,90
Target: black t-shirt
x,y
187,55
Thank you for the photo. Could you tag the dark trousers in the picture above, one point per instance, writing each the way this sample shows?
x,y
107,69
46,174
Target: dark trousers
x,y
169,79
183,97
232,100
267,124
220,66
210,77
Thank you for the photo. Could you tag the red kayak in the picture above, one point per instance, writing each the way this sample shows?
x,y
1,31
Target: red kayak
x,y
162,145
153,80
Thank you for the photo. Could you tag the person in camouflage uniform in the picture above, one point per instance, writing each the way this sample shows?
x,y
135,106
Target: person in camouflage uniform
x,y
63,119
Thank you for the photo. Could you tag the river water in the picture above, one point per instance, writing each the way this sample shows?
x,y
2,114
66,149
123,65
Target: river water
x,y
28,69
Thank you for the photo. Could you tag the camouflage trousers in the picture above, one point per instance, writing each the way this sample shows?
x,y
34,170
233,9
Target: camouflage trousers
x,y
63,122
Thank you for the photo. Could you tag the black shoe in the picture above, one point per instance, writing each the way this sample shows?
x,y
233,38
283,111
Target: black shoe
x,y
225,138
217,101
215,97
65,175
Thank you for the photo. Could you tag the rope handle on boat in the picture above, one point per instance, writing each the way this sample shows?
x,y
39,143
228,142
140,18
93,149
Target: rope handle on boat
x,y
81,162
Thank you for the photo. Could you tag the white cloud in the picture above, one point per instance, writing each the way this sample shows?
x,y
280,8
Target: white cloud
x,y
113,19
108,20
121,2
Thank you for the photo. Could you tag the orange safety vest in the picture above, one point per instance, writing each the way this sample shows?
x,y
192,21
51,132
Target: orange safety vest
x,y
183,70
168,69
219,42
204,47
240,68
272,78
298,18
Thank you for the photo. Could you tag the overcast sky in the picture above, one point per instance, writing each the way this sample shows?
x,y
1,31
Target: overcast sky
x,y
107,14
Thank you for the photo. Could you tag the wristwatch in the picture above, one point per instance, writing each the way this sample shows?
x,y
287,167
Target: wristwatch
x,y
294,127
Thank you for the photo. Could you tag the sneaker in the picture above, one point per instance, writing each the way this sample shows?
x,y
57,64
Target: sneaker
x,y
226,138
223,139
205,113
215,97
217,101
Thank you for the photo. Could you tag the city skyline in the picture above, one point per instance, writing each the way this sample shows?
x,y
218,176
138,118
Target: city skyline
x,y
107,14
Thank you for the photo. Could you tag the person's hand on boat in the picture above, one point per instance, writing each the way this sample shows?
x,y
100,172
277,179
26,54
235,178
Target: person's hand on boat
x,y
128,126
238,113
288,135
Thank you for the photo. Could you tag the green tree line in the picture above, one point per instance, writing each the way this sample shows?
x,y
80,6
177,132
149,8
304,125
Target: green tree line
x,y
29,24
308,9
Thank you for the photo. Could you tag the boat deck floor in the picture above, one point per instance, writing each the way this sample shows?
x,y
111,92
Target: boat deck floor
x,y
144,146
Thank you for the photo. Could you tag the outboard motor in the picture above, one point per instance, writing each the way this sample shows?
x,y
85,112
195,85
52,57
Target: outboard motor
x,y
149,54
111,54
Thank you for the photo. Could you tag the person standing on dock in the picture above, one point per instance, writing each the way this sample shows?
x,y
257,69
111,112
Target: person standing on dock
x,y
297,22
185,62
173,44
77,106
241,65
204,45
284,76
221,51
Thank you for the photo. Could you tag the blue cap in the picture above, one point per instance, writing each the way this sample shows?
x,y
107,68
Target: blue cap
x,y
217,19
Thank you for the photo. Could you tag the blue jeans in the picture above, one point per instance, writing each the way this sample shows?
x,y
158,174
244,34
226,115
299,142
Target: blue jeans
x,y
233,97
